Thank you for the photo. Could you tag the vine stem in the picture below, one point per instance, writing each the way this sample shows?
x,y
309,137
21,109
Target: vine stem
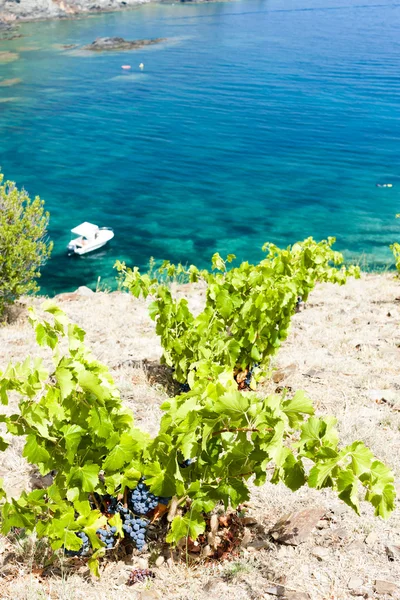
x,y
239,429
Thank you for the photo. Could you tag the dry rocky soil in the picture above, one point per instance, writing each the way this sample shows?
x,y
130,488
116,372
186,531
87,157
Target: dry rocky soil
x,y
344,351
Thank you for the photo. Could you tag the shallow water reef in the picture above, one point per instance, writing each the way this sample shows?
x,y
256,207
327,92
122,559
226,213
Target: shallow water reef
x,y
112,44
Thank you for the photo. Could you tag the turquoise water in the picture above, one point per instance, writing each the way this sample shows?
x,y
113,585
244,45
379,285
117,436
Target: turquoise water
x,y
255,121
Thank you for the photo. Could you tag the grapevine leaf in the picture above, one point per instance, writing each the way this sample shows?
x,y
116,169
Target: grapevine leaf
x,y
121,454
189,526
116,521
299,404
65,381
93,562
224,303
72,436
294,476
34,452
361,457
86,477
231,404
321,472
348,489
90,382
100,422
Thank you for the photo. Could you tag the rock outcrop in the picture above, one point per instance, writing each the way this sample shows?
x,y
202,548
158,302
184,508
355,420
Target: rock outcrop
x,y
108,44
28,10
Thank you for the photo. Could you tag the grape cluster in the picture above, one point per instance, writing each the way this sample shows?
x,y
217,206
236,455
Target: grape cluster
x,y
134,527
250,374
110,503
140,575
184,388
299,302
186,463
107,536
83,550
107,504
142,501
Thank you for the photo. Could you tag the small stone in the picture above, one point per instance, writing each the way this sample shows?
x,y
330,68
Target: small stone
x,y
315,373
371,539
341,533
275,590
386,587
393,552
214,584
206,551
284,373
67,297
142,563
320,553
160,561
249,521
259,544
295,528
246,539
355,583
122,579
376,395
340,509
149,595
296,596
214,524
83,290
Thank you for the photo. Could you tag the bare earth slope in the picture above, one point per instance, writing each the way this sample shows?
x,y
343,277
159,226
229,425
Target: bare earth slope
x,y
344,350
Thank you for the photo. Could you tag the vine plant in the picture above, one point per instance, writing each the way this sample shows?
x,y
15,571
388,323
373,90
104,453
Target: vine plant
x,y
247,312
212,442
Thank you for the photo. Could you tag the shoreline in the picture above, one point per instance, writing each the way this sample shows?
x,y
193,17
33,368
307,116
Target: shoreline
x,y
39,10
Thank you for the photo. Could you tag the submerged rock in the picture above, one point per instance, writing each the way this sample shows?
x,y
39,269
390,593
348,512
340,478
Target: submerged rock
x,y
10,82
118,43
6,57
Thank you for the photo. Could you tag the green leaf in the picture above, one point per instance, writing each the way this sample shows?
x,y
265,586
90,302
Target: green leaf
x,y
93,562
299,404
321,472
189,526
116,521
294,476
122,453
34,452
224,303
91,383
85,478
72,436
65,381
348,489
361,457
232,404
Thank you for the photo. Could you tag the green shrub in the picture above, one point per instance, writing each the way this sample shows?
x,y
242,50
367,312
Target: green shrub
x,y
248,309
395,248
24,247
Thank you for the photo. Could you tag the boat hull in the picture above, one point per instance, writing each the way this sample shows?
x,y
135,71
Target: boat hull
x,y
76,246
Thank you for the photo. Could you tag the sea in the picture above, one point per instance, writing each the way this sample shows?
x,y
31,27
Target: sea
x,y
254,121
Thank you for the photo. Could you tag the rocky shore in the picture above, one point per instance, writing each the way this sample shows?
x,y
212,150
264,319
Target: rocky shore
x,y
32,10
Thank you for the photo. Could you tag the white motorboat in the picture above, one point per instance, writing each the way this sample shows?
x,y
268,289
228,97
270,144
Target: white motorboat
x,y
90,237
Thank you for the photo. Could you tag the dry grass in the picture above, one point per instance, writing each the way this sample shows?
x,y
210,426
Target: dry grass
x,y
343,349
